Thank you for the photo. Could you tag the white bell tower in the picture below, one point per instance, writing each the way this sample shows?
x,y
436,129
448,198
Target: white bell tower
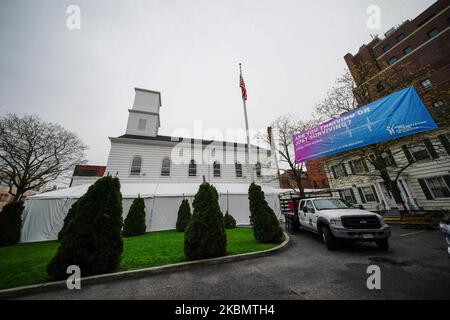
x,y
143,118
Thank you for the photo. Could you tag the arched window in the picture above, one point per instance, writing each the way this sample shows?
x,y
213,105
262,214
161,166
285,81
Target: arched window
x,y
258,170
136,166
192,168
238,169
165,167
216,169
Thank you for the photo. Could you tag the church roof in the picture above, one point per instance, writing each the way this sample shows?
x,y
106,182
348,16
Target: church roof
x,y
180,139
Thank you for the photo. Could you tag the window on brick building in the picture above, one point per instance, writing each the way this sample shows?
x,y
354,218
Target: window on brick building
x,y
400,37
392,60
426,83
438,104
433,32
386,48
407,50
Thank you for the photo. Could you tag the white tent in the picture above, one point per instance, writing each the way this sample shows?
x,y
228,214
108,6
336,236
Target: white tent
x,y
44,213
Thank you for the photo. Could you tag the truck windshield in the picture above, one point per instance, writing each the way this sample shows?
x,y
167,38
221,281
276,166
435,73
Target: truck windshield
x,y
326,204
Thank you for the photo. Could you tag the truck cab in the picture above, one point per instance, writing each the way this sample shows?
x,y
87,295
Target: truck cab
x,y
334,220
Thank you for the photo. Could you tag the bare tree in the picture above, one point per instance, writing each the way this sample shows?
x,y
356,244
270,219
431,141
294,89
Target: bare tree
x,y
283,128
339,99
338,102
34,152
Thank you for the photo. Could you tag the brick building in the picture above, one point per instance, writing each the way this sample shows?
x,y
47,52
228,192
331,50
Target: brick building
x,y
417,49
415,53
315,176
5,196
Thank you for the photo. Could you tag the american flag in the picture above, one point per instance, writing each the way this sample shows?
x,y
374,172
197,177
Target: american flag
x,y
242,85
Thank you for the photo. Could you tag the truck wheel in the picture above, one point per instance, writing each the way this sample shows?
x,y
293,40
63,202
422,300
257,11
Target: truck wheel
x,y
327,238
383,244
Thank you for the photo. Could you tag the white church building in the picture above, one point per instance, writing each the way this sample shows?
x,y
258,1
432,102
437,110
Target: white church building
x,y
142,155
163,170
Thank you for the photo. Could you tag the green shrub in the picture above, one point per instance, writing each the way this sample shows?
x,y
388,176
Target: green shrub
x,y
266,227
229,221
205,236
134,224
92,240
184,216
11,223
72,212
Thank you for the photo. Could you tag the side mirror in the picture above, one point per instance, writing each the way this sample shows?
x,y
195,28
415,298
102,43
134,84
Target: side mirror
x,y
305,209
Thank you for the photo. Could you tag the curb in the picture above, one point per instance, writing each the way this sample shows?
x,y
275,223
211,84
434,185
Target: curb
x,y
132,274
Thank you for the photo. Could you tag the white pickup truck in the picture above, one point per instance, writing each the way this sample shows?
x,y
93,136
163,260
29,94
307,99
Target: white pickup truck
x,y
333,220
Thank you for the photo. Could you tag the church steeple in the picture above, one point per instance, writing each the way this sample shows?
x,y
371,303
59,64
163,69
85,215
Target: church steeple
x,y
143,118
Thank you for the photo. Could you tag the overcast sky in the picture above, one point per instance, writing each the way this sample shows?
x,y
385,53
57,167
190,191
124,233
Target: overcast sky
x,y
292,51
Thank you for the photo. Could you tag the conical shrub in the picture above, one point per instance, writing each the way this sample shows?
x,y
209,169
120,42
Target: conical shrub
x,y
205,236
134,224
72,212
229,221
11,223
184,216
266,227
92,239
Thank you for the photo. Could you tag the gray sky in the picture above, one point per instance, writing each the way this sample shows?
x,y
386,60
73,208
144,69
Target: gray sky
x,y
292,51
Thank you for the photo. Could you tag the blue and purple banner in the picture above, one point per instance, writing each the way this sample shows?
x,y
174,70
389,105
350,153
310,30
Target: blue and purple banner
x,y
397,115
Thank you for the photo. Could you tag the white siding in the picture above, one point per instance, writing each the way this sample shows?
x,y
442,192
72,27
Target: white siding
x,y
151,128
121,155
146,101
77,181
420,169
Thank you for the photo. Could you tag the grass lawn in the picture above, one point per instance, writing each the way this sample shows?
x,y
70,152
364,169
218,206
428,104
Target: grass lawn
x,y
24,264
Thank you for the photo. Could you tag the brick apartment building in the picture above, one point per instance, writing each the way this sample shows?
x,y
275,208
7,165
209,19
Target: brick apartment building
x,y
417,53
418,49
315,176
6,197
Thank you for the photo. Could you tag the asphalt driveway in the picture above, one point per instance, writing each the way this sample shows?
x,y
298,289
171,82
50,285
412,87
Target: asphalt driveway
x,y
416,267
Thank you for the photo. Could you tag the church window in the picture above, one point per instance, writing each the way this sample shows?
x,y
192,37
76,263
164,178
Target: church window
x,y
165,168
136,166
192,168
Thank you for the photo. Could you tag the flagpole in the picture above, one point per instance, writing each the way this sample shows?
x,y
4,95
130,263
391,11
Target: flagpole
x,y
247,153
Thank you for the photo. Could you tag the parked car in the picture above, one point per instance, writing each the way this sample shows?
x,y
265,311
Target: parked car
x,y
334,220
